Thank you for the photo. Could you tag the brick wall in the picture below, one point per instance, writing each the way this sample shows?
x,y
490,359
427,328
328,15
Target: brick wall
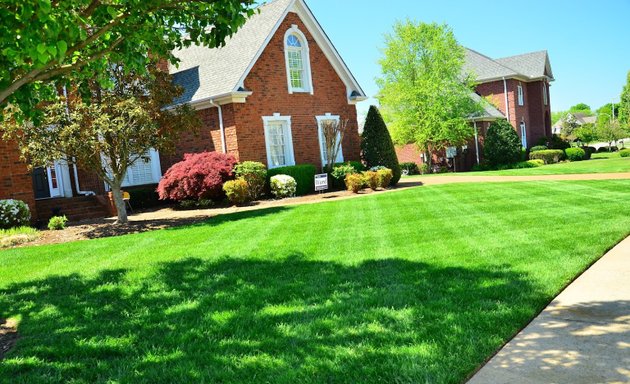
x,y
268,82
15,179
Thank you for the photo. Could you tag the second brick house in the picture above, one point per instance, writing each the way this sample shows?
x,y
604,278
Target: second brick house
x,y
262,97
516,88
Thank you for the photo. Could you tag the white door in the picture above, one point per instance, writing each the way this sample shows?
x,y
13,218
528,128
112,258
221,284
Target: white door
x,y
523,135
54,182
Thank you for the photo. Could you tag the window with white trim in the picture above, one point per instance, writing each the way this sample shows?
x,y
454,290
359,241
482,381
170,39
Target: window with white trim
x,y
521,100
545,96
145,170
322,140
523,135
297,61
278,141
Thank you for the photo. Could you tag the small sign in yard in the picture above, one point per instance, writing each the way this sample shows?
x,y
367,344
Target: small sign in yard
x,y
321,182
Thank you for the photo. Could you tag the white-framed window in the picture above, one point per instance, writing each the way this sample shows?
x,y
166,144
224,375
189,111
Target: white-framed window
x,y
278,140
523,135
545,96
145,170
521,99
297,61
322,140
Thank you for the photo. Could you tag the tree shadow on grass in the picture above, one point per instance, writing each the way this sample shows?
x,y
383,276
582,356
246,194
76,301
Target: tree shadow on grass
x,y
286,320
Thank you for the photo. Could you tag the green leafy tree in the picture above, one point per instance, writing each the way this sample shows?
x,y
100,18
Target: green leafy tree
x,y
47,43
502,145
582,108
609,130
377,147
624,104
557,116
586,133
424,97
111,132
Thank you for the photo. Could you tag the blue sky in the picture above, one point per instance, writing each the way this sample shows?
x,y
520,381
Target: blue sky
x,y
588,42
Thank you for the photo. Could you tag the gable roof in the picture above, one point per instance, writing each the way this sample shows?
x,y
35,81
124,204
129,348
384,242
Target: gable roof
x,y
533,64
218,73
527,66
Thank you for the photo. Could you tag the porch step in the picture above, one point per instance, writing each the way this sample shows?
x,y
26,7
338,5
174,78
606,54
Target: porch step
x,y
75,208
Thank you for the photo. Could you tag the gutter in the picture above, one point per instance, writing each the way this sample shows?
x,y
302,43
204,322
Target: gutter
x,y
476,141
507,103
221,127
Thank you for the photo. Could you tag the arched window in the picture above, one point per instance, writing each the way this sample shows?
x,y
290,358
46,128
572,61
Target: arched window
x,y
297,61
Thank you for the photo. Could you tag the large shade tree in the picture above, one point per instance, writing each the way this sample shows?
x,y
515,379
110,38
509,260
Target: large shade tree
x,y
109,131
46,43
424,93
624,104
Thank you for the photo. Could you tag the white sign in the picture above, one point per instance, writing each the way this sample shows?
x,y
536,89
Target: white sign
x,y
321,182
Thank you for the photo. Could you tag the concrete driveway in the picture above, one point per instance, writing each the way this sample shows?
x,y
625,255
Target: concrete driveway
x,y
582,337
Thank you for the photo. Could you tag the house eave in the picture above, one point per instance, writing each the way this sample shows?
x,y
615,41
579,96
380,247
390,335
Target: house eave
x,y
238,97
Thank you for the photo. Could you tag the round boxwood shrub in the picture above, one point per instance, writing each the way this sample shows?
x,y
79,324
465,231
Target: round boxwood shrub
x,y
198,176
410,168
237,191
575,154
14,213
624,153
255,174
502,145
377,147
282,186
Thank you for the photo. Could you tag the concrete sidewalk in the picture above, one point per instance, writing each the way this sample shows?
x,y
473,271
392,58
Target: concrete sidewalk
x,y
583,336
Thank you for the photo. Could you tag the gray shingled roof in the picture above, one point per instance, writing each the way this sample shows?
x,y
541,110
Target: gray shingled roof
x,y
484,68
206,73
489,111
529,65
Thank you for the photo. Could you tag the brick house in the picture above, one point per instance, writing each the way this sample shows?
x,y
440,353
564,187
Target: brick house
x,y
517,89
262,97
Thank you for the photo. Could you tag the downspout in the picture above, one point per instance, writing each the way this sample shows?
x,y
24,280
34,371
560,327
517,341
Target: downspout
x,y
74,161
476,141
221,127
507,104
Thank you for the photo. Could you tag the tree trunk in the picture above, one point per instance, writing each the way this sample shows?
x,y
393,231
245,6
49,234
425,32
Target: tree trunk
x,y
120,204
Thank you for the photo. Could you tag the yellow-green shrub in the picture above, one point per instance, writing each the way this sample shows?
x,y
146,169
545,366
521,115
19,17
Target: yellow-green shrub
x,y
237,191
371,179
354,182
384,177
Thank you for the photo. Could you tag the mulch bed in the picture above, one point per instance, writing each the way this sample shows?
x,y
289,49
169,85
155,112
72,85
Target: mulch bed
x,y
8,336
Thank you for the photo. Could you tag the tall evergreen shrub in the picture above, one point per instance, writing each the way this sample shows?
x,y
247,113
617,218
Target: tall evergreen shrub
x,y
377,147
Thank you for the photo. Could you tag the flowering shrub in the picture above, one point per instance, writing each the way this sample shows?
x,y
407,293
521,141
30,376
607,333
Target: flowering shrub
x,y
198,176
237,191
354,182
384,177
57,223
282,186
14,213
255,174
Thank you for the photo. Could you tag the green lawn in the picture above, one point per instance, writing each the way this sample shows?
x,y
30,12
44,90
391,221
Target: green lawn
x,y
418,286
600,163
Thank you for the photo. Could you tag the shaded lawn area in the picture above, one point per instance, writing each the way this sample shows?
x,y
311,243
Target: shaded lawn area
x,y
420,285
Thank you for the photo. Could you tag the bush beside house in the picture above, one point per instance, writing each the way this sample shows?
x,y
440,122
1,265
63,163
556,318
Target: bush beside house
x,y
502,145
304,175
377,147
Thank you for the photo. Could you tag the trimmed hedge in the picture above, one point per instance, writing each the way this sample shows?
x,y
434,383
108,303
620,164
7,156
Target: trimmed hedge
x,y
538,148
549,156
588,151
575,154
607,149
624,153
304,175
